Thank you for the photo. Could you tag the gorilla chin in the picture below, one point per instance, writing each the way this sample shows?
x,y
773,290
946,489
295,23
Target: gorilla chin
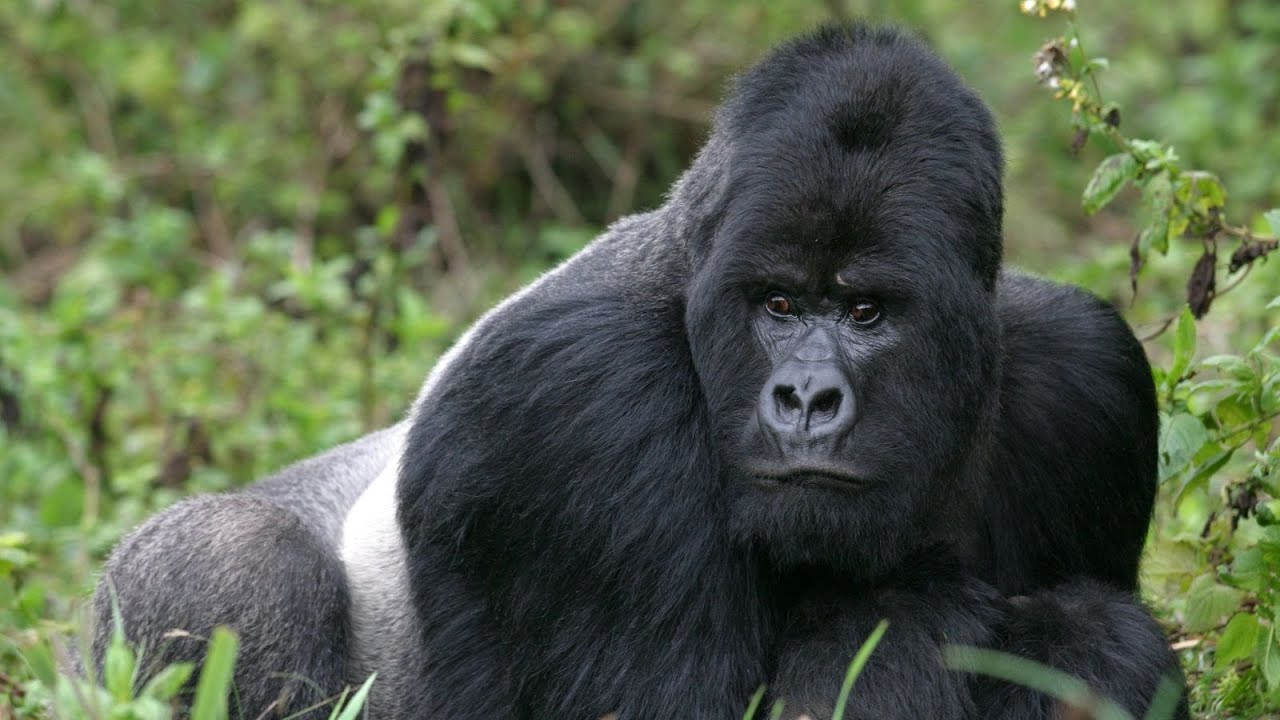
x,y
714,449
806,518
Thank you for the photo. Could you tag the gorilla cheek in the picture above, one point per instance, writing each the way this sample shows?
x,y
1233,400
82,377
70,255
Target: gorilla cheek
x,y
729,363
944,385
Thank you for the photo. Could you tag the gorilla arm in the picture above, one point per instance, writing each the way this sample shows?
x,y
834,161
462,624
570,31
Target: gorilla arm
x,y
929,602
1073,481
1091,631
588,571
1073,472
263,561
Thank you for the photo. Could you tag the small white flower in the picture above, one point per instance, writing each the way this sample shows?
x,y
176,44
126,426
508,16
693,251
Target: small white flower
x,y
1069,5
1028,5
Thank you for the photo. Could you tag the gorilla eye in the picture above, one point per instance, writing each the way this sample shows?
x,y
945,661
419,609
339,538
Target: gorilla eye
x,y
864,312
778,304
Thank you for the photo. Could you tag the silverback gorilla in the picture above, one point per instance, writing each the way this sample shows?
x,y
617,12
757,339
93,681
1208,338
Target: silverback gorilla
x,y
713,449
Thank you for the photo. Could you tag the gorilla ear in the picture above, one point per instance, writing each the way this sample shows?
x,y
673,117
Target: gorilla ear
x,y
699,201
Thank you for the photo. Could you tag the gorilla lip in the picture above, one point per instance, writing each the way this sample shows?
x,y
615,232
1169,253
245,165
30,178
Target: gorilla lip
x,y
820,478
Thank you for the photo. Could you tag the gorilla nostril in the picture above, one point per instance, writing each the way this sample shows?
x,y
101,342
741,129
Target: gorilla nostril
x,y
787,401
825,404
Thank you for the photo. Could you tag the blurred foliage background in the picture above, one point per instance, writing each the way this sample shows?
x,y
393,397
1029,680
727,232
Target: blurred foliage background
x,y
235,232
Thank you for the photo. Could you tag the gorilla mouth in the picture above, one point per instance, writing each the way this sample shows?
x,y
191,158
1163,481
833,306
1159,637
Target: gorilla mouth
x,y
821,477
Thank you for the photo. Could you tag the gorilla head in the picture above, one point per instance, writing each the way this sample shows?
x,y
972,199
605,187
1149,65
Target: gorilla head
x,y
851,240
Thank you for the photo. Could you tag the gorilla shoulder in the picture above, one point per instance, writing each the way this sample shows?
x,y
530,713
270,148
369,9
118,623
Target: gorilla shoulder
x,y
1075,461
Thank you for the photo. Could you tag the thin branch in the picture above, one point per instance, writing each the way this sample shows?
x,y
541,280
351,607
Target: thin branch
x,y
210,218
549,187
449,234
625,178
1164,325
95,110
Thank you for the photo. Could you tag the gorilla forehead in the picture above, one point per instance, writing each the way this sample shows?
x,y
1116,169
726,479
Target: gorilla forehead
x,y
858,216
854,88
856,137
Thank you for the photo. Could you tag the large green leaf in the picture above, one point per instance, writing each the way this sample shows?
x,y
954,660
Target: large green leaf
x,y
1180,439
1209,604
1107,180
1237,641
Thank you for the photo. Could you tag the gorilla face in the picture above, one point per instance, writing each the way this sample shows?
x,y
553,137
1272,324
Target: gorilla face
x,y
859,383
841,317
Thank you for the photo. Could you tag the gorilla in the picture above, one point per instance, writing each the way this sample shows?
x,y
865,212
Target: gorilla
x,y
713,450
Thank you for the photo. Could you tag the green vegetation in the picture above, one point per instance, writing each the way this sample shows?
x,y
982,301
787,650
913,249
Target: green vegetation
x,y
232,234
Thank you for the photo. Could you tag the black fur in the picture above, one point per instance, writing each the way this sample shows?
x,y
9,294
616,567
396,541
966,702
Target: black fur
x,y
606,503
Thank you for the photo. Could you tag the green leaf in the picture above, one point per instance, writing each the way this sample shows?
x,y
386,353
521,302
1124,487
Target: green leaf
x,y
1249,570
756,698
1209,603
1237,641
1096,64
214,685
1203,189
1184,344
1107,180
168,682
474,56
1167,698
1206,470
1181,437
117,670
1267,657
1233,366
40,659
1157,196
1268,338
352,709
1268,513
1205,396
146,708
1273,219
1154,156
1071,690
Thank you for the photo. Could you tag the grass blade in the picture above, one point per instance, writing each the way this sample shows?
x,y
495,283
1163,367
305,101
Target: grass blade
x,y
1036,676
855,668
214,686
756,699
351,710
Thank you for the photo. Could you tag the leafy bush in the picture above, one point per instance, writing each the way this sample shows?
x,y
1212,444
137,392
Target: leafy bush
x,y
1219,449
232,234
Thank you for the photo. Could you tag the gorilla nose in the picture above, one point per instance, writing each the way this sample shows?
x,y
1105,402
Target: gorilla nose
x,y
807,399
